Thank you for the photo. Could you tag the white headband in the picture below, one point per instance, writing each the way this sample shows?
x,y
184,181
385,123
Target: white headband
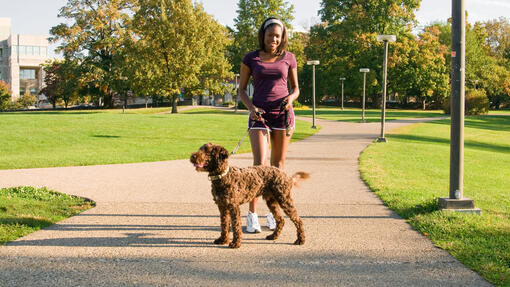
x,y
273,21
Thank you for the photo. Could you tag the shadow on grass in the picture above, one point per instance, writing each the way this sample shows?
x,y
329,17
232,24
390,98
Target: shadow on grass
x,y
494,123
27,221
468,143
425,207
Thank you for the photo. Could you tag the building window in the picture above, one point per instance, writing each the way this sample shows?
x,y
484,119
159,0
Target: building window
x,y
27,74
44,51
1,52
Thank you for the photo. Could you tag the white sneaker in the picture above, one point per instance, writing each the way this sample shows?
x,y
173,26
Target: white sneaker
x,y
271,223
252,223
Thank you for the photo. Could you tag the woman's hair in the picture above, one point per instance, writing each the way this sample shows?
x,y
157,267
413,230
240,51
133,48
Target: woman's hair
x,y
262,31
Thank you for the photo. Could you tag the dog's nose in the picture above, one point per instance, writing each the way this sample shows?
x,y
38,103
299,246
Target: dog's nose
x,y
193,156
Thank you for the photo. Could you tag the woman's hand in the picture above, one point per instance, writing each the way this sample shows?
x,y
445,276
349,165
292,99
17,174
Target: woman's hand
x,y
256,114
287,103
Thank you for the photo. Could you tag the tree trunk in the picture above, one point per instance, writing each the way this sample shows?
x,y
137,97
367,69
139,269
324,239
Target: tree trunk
x,y
424,104
174,104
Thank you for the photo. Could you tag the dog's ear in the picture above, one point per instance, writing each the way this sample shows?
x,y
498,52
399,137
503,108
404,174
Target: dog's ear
x,y
223,153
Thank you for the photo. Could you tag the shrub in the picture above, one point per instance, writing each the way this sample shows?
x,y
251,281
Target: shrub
x,y
5,96
228,104
241,106
297,104
476,103
26,100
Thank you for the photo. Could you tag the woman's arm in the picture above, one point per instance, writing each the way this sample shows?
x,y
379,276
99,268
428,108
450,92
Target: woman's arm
x,y
243,84
294,87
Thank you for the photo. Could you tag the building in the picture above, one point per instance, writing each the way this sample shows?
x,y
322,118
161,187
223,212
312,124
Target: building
x,y
21,57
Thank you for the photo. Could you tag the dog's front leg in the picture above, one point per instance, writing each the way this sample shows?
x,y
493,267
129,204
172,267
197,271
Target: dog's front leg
x,y
225,225
235,215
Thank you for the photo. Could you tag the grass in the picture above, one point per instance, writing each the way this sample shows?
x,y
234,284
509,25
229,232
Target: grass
x,y
24,210
371,115
411,171
75,138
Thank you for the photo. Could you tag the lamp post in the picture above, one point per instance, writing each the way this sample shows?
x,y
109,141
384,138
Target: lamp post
x,y
386,39
237,92
364,71
457,201
313,64
342,79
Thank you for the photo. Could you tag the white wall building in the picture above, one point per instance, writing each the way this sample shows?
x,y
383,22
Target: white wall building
x,y
20,60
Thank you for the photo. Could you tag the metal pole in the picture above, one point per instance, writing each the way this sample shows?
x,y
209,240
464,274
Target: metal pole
x,y
237,94
457,100
383,109
342,95
363,104
313,121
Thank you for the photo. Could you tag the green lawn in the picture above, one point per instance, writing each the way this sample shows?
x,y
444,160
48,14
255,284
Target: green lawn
x,y
24,210
371,115
411,171
73,138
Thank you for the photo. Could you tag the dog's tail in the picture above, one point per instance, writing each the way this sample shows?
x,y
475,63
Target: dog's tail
x,y
299,176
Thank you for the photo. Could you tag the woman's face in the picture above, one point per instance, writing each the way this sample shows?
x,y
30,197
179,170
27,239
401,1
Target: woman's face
x,y
272,38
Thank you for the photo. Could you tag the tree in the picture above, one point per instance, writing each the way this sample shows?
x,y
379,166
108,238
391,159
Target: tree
x,y
94,37
51,80
250,15
484,68
62,81
180,39
497,33
346,41
5,96
422,72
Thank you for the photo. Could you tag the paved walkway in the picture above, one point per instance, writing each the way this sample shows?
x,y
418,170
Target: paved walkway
x,y
154,224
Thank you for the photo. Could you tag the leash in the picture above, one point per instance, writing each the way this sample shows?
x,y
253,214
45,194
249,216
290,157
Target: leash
x,y
241,141
287,126
247,132
286,116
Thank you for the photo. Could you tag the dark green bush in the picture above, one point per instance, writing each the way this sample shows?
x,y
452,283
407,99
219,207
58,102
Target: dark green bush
x,y
476,103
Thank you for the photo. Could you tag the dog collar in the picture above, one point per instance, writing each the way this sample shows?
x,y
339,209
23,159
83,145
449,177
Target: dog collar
x,y
219,176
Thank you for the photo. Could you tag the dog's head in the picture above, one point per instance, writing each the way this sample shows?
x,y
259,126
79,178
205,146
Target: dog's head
x,y
210,158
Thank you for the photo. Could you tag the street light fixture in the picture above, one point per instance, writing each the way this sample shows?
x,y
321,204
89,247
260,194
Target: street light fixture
x,y
342,79
313,63
364,71
237,93
386,39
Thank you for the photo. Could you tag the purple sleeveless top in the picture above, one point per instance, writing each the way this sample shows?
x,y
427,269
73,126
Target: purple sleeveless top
x,y
269,79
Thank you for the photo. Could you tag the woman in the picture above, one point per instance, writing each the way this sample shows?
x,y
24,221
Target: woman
x,y
271,115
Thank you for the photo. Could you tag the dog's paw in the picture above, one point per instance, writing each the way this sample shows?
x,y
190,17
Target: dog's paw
x,y
221,241
299,241
271,237
234,244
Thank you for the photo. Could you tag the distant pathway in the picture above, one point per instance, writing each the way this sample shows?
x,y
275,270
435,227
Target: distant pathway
x,y
155,222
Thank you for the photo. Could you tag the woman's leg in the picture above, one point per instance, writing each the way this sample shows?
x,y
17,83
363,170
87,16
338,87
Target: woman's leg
x,y
259,147
279,144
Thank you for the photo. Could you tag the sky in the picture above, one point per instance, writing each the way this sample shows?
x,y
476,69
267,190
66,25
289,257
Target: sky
x,y
38,16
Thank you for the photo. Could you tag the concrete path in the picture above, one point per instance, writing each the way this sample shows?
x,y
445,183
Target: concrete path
x,y
154,224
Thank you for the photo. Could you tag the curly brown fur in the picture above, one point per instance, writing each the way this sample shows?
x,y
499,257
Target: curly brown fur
x,y
241,185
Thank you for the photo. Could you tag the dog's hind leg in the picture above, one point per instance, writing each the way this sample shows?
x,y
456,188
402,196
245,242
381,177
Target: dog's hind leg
x,y
273,206
288,207
225,226
235,216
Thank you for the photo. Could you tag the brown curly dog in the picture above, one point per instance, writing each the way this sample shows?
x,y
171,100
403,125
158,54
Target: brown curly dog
x,y
233,186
